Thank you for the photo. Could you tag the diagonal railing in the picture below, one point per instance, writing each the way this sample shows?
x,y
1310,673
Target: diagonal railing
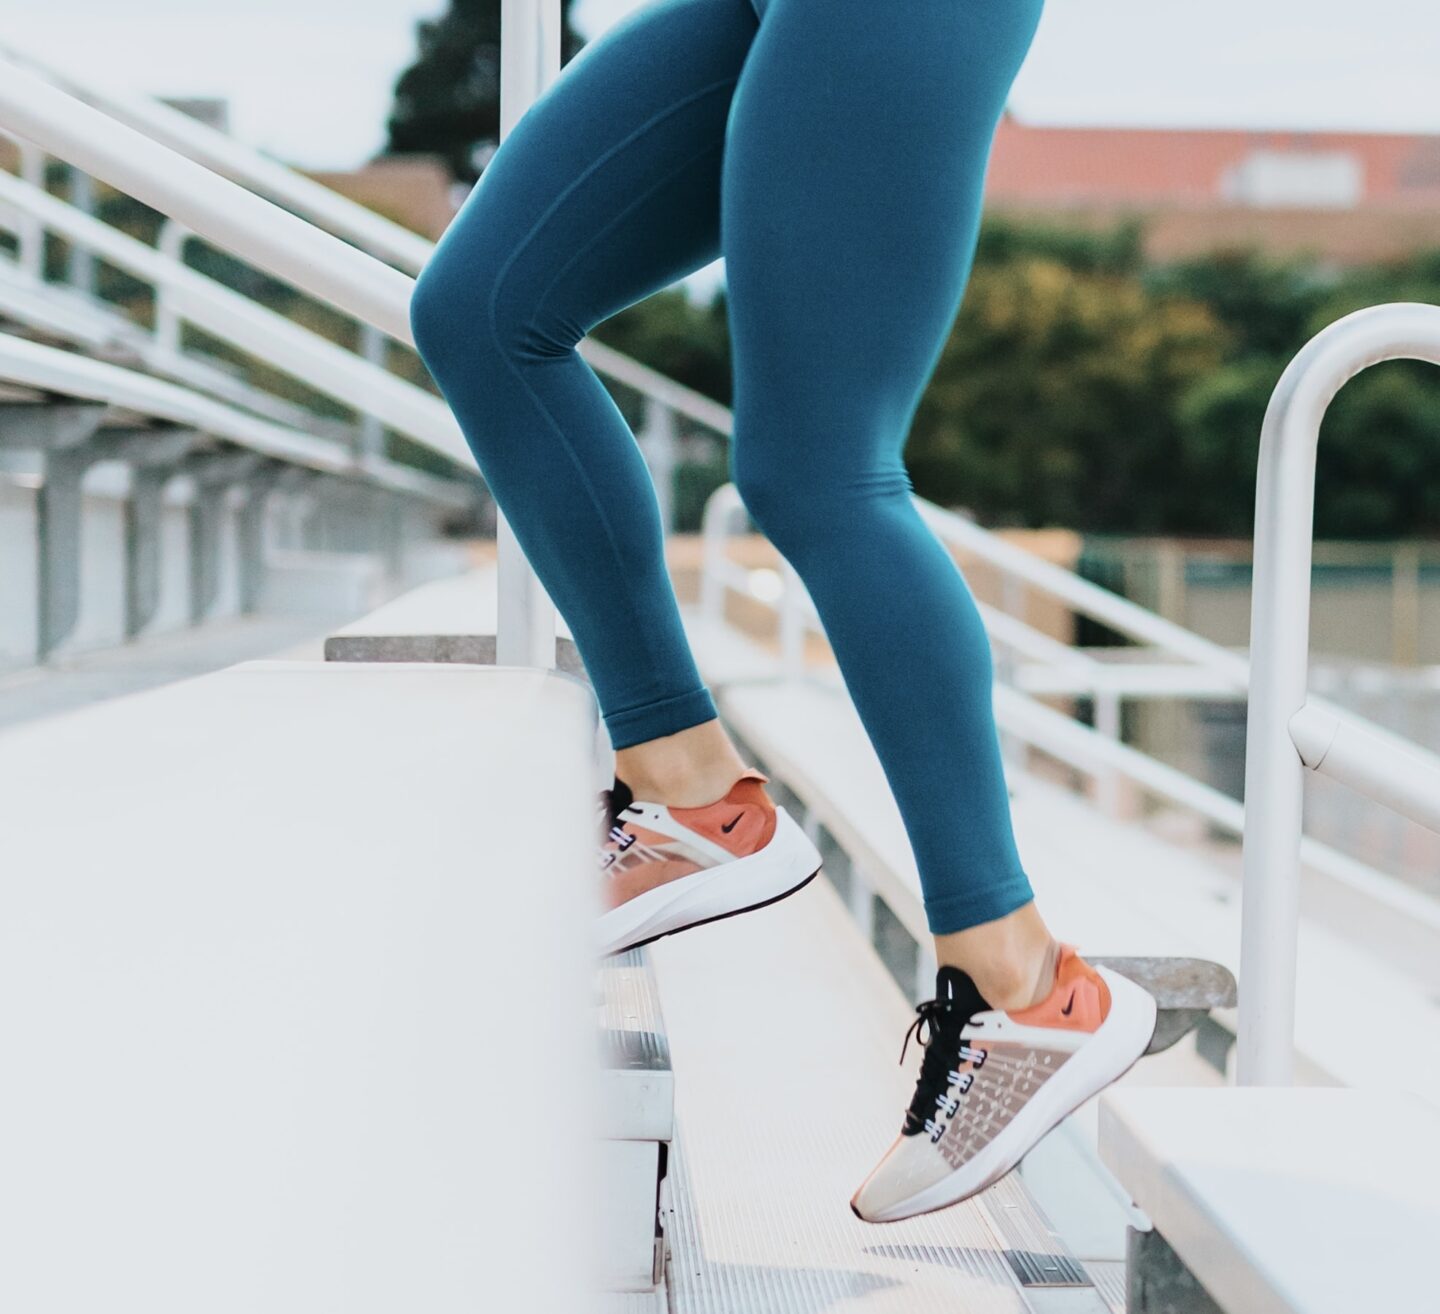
x,y
278,220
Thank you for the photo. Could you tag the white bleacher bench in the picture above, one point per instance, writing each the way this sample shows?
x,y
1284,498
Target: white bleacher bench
x,y
1287,1200
273,1034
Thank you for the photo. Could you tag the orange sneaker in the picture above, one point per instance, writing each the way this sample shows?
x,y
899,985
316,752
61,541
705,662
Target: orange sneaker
x,y
993,1082
667,869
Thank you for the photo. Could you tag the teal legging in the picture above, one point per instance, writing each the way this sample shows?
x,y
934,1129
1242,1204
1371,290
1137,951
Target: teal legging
x,y
834,152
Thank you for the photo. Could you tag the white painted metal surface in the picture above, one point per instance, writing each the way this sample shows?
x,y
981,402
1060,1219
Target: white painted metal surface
x,y
253,328
274,1034
1304,1201
637,1087
530,59
234,218
1393,770
1279,643
240,163
628,1171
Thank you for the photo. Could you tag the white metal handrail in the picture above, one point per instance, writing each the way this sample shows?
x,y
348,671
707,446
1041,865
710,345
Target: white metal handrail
x,y
240,163
346,218
1284,725
287,246
224,212
262,333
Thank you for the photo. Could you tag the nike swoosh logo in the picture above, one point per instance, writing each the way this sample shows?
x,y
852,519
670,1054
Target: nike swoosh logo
x,y
735,821
1069,1004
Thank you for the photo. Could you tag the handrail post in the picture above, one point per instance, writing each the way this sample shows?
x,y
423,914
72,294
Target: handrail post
x,y
30,231
1279,655
658,442
173,237
792,622
720,507
529,60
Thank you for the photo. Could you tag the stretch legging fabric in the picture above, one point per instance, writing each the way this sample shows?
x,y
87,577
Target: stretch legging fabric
x,y
834,152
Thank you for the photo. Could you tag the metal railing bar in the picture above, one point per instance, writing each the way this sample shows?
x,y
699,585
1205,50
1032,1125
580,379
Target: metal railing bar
x,y
232,159
263,333
281,243
51,370
1382,766
1280,646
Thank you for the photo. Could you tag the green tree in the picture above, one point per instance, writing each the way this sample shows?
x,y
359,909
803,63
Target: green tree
x,y
448,101
1054,400
1378,466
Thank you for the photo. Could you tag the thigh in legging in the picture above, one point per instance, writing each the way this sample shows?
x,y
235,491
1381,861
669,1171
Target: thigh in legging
x,y
859,137
606,190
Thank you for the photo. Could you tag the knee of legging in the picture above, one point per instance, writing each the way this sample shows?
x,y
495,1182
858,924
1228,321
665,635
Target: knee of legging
x,y
444,311
776,494
468,316
457,321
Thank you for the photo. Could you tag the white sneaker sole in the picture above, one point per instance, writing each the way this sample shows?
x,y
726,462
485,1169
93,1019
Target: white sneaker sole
x,y
787,863
1120,1040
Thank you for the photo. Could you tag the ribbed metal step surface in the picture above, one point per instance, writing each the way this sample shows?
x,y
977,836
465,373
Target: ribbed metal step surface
x,y
1036,1254
785,1029
1109,1278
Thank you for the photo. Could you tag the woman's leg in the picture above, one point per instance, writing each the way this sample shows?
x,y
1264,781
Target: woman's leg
x,y
859,138
606,190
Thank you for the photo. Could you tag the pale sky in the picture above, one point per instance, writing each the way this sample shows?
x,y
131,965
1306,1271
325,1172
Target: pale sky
x,y
310,80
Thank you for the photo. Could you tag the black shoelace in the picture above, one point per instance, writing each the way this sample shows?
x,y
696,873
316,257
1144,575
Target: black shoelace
x,y
936,1028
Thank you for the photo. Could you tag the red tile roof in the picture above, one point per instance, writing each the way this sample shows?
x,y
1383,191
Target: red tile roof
x,y
1146,167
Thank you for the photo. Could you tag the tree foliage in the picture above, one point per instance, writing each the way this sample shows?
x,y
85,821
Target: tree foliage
x,y
448,101
1083,386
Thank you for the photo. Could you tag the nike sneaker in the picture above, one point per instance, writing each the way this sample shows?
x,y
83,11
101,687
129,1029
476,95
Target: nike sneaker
x,y
666,869
993,1082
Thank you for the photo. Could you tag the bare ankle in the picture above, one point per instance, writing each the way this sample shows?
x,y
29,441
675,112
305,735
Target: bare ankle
x,y
690,768
1011,960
